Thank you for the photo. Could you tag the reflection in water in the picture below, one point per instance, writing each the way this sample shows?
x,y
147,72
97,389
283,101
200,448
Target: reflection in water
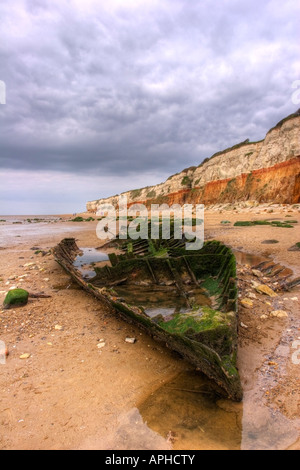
x,y
163,301
127,431
188,412
87,259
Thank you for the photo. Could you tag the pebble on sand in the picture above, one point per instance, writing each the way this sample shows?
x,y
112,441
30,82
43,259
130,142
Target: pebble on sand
x,y
25,356
247,303
263,289
130,340
279,314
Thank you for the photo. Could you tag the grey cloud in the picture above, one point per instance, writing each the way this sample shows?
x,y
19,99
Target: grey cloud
x,y
133,90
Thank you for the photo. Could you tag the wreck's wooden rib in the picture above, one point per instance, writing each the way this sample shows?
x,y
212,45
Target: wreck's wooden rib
x,y
205,335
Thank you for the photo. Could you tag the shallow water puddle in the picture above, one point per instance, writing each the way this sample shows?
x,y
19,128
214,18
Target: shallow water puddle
x,y
89,257
154,301
190,415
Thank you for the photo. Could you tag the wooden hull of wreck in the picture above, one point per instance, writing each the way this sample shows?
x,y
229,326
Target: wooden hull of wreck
x,y
211,350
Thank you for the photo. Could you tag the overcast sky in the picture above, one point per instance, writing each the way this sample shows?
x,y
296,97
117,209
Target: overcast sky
x,y
102,97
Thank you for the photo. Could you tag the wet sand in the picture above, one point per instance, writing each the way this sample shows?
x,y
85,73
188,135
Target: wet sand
x,y
69,394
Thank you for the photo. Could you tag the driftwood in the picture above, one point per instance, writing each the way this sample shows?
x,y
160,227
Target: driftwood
x,y
39,296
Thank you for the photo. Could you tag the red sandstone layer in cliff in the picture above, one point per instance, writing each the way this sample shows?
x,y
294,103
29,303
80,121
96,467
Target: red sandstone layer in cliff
x,y
278,184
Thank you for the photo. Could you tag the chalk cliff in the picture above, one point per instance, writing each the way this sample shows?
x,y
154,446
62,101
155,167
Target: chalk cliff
x,y
264,171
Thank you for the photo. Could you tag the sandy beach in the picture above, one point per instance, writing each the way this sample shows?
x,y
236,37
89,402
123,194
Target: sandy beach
x,y
67,393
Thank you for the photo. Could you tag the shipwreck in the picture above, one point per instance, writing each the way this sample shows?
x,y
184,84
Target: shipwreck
x,y
187,299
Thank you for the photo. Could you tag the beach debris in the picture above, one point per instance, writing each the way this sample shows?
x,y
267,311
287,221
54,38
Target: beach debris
x,y
15,298
101,344
291,284
263,289
58,327
244,326
130,340
40,295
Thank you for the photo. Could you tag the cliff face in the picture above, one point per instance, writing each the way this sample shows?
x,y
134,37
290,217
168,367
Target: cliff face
x,y
265,171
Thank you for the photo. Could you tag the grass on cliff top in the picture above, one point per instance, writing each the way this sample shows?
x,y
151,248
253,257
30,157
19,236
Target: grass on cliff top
x,y
280,123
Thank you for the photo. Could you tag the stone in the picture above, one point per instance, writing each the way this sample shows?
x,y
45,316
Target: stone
x,y
251,295
25,356
256,273
101,345
130,340
279,314
247,303
254,284
263,289
16,298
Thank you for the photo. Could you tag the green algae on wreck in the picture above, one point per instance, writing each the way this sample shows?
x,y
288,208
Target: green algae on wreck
x,y
198,317
16,298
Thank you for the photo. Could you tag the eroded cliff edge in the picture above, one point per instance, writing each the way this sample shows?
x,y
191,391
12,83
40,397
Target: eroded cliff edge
x,y
264,171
